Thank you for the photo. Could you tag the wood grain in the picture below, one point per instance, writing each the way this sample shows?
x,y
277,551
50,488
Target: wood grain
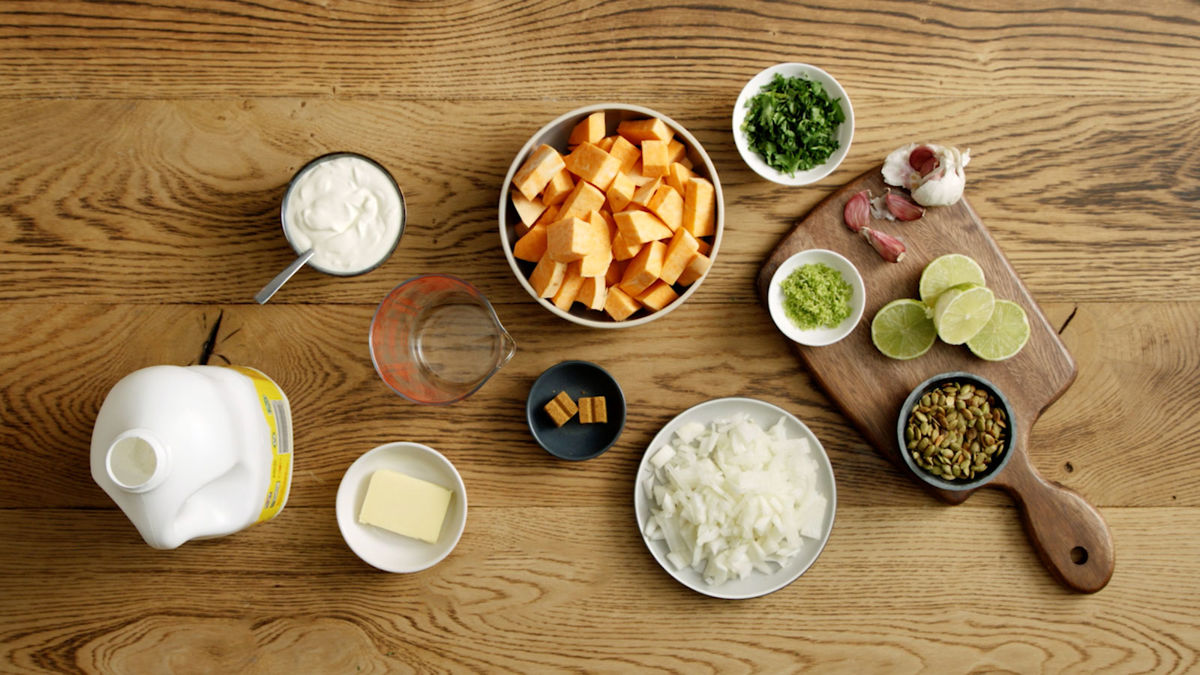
x,y
145,148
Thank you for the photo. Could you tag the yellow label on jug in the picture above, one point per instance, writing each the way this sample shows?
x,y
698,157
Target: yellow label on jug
x,y
278,417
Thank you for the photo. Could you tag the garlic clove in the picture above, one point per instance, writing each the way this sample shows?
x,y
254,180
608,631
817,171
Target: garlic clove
x,y
857,212
888,247
902,207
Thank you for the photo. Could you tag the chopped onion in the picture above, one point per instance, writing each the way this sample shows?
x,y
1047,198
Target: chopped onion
x,y
730,499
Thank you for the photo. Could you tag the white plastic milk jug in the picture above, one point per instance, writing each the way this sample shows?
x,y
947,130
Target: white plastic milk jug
x,y
194,452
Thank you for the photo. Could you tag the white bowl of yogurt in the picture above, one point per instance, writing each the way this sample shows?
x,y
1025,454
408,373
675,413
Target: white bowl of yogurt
x,y
348,209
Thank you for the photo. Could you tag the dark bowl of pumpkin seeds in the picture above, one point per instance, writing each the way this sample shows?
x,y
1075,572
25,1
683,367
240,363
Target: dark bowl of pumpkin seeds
x,y
955,431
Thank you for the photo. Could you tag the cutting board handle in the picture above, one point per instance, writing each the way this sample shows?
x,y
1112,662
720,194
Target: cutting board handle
x,y
1069,534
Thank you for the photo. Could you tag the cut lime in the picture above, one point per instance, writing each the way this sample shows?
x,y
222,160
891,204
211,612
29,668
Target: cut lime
x,y
953,269
903,330
960,312
1003,335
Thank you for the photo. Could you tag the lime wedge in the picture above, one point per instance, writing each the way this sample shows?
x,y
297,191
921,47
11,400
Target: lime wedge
x,y
960,312
953,269
903,330
1003,335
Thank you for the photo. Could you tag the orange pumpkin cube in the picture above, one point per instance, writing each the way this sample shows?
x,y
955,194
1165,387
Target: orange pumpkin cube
x,y
572,238
677,177
637,131
589,130
644,269
667,204
592,293
584,197
537,171
659,295
619,304
532,246
547,276
558,188
699,207
639,227
680,251
593,165
625,152
695,269
620,192
572,280
655,161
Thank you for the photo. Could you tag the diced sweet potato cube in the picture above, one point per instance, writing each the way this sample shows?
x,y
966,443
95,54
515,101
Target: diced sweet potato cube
x,y
677,177
558,188
623,249
589,130
606,143
705,246
584,197
659,295
637,131
616,270
644,269
642,195
572,280
527,209
610,221
639,227
619,304
572,238
699,207
620,192
537,171
625,152
547,276
593,165
596,262
549,215
667,204
680,251
635,174
592,293
687,161
654,158
532,246
695,269
676,151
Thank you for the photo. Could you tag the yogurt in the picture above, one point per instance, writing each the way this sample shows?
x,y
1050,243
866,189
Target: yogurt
x,y
348,209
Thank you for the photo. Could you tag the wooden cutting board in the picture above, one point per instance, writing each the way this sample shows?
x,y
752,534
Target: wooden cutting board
x,y
1069,534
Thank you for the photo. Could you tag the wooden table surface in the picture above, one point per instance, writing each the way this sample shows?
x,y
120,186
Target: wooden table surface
x,y
144,149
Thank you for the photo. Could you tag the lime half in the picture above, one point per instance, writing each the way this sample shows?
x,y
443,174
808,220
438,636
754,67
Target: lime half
x,y
953,269
1003,335
960,312
903,330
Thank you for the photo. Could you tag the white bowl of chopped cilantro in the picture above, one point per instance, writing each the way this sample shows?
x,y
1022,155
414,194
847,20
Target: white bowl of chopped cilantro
x,y
793,124
816,297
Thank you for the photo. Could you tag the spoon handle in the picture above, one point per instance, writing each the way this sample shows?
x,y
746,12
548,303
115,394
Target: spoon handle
x,y
267,291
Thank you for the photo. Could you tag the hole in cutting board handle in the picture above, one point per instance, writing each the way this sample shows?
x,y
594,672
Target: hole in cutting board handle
x,y
1079,555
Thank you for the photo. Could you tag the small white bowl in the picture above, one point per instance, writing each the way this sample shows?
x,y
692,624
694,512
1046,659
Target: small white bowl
x,y
816,337
845,131
385,550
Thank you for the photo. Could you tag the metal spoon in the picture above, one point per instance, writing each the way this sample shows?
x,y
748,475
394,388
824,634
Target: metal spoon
x,y
267,291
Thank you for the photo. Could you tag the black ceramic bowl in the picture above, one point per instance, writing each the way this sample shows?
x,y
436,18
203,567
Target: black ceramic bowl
x,y
997,463
575,441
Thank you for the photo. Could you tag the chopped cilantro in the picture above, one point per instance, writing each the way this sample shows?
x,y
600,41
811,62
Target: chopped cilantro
x,y
792,124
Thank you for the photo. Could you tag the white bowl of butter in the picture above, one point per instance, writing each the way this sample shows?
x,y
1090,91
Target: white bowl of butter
x,y
402,507
348,209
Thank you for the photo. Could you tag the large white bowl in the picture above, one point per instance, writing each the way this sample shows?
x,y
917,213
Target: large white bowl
x,y
555,135
845,131
385,550
765,415
817,337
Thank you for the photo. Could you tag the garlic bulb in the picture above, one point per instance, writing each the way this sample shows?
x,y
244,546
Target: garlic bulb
x,y
932,173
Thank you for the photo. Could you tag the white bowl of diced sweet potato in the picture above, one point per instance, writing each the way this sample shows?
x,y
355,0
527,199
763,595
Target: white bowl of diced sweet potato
x,y
611,215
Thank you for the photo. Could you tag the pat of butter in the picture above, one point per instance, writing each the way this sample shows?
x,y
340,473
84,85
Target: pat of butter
x,y
405,505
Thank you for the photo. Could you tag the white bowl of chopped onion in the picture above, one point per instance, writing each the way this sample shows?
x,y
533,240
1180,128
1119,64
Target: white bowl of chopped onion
x,y
735,498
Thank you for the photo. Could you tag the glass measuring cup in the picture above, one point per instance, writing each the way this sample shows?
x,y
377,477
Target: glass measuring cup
x,y
436,339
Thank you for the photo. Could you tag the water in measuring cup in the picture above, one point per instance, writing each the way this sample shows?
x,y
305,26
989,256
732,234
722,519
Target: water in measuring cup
x,y
456,344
